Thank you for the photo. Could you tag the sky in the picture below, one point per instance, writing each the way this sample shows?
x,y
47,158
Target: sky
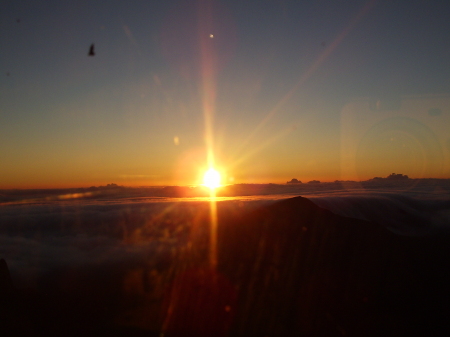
x,y
265,91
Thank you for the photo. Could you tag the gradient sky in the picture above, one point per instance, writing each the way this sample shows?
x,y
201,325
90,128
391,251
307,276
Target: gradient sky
x,y
275,89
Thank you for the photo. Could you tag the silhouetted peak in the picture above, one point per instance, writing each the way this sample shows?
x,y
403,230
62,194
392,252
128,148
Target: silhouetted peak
x,y
398,176
294,181
293,207
295,203
314,182
393,176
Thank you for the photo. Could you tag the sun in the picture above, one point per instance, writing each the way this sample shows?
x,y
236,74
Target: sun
x,y
211,178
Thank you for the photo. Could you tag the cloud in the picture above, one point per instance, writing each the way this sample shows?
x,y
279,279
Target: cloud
x,y
126,233
401,214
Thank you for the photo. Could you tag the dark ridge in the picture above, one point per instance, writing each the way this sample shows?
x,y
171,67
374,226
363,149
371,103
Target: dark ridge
x,y
289,268
300,270
293,260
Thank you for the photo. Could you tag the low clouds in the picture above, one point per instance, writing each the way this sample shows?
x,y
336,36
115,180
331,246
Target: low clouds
x,y
401,214
37,239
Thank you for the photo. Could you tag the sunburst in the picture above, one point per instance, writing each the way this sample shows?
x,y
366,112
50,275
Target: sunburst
x,y
211,178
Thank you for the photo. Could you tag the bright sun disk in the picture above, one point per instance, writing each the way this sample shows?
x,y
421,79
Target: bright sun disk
x,y
211,178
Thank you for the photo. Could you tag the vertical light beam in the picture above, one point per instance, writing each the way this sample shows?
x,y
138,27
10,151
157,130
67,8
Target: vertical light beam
x,y
208,66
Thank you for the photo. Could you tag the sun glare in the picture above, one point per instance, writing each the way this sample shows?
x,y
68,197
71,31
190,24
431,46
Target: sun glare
x,y
211,178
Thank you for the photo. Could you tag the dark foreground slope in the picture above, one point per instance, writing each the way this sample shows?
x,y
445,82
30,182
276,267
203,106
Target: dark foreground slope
x,y
285,269
300,270
317,273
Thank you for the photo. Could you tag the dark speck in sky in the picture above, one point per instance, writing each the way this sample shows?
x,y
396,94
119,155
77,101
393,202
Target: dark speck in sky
x,y
91,50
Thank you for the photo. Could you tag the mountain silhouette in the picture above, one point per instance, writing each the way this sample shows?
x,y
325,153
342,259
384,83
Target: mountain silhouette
x,y
300,270
287,268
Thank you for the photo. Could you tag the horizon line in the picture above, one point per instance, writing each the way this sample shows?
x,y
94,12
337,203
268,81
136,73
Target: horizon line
x,y
114,185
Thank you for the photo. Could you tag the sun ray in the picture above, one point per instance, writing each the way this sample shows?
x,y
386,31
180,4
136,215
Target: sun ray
x,y
322,57
261,147
208,59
